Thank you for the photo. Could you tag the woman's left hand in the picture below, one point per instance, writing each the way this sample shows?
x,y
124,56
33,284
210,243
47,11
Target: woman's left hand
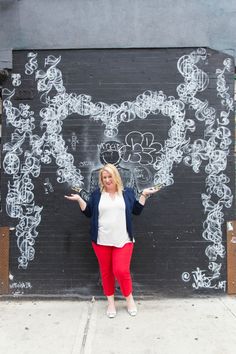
x,y
146,193
150,191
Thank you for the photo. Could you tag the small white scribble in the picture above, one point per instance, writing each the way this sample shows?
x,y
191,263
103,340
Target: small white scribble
x,y
16,79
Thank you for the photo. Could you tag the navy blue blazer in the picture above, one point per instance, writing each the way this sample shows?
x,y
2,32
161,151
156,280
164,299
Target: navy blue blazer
x,y
132,206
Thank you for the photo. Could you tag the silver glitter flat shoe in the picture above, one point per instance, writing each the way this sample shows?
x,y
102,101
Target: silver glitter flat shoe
x,y
132,312
111,314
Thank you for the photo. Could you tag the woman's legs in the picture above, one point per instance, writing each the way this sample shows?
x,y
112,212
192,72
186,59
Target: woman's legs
x,y
114,263
121,268
121,259
104,256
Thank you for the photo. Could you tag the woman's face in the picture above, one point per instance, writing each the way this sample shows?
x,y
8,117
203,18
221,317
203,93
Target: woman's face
x,y
108,181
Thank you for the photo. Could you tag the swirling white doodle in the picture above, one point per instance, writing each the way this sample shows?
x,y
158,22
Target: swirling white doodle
x,y
214,150
32,64
141,148
52,78
52,116
21,165
16,79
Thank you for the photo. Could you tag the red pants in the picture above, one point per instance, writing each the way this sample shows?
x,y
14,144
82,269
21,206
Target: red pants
x,y
114,263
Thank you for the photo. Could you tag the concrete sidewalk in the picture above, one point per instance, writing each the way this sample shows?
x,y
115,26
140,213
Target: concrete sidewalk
x,y
163,326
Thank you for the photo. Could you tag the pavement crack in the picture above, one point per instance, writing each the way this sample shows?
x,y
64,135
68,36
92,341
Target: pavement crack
x,y
86,328
228,308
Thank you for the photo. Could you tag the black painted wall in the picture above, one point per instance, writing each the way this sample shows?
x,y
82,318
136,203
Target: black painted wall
x,y
163,116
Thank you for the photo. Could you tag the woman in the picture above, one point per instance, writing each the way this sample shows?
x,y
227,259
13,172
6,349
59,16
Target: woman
x,y
110,208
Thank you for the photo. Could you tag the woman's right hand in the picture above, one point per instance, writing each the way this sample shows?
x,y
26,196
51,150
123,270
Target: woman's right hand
x,y
77,198
74,197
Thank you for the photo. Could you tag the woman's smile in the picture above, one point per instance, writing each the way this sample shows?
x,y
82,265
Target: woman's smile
x,y
108,181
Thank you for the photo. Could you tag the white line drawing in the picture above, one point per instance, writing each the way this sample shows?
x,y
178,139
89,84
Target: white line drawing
x,y
74,141
186,276
213,148
18,288
32,64
48,188
50,79
142,175
16,79
140,148
11,163
20,285
202,281
22,166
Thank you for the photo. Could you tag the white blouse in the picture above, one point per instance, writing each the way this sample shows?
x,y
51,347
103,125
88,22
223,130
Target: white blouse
x,y
112,222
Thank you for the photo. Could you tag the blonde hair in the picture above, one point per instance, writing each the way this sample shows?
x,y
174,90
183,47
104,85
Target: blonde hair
x,y
115,175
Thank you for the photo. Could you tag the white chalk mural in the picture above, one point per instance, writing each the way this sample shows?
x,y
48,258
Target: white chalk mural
x,y
140,148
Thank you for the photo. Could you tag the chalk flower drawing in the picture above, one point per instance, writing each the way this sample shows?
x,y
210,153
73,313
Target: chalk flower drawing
x,y
140,148
213,148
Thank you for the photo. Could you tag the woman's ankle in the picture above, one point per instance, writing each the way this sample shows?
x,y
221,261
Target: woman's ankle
x,y
129,298
111,298
111,302
130,301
